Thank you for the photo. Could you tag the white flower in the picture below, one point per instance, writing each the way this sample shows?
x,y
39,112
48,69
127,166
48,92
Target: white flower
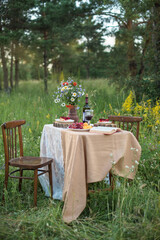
x,y
72,99
74,94
111,154
132,166
113,162
58,100
55,100
136,162
126,166
63,104
136,150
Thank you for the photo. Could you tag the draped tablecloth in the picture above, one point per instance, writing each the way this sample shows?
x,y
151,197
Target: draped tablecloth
x,y
87,158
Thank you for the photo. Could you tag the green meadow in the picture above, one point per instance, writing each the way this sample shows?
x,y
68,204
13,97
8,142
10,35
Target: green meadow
x,y
130,211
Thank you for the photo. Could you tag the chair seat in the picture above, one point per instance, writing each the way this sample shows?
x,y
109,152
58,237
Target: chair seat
x,y
30,162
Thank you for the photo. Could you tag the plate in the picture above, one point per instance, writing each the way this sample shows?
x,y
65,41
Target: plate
x,y
65,121
79,130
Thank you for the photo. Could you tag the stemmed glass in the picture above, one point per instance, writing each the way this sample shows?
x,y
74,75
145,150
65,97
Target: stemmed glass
x,y
88,115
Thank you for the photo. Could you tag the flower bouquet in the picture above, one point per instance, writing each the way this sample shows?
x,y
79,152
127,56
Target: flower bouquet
x,y
68,93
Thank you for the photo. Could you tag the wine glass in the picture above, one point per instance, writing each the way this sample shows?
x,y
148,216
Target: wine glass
x,y
88,115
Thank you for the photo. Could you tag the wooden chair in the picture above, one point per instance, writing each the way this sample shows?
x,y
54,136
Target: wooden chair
x,y
13,144
127,123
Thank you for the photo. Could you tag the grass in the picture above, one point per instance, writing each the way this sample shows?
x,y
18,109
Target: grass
x,y
131,211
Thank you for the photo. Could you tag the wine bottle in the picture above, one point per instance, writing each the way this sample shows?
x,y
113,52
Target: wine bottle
x,y
86,106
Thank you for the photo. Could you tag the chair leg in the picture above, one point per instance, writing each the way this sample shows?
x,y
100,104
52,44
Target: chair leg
x,y
35,186
5,182
20,180
112,181
50,179
87,189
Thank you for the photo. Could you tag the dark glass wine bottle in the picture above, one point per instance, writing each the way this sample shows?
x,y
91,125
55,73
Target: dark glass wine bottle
x,y
86,106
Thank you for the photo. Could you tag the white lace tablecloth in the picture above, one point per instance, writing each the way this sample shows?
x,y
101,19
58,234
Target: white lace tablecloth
x,y
51,146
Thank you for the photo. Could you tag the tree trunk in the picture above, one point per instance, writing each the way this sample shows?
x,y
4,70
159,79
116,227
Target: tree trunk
x,y
131,50
5,69
45,64
0,82
156,44
88,65
16,66
45,70
141,69
11,67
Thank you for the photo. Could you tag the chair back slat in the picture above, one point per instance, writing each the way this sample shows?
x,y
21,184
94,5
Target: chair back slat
x,y
12,144
10,140
20,140
127,126
127,123
15,147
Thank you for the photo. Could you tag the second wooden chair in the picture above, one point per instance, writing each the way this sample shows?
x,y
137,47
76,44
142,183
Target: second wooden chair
x,y
127,123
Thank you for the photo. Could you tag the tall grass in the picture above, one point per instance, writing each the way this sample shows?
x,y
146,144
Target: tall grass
x,y
131,211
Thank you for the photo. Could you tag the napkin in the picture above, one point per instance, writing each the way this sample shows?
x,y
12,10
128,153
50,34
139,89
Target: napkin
x,y
105,130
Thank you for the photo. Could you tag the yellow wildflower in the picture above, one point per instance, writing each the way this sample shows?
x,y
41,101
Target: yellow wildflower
x,y
128,104
48,116
30,131
110,106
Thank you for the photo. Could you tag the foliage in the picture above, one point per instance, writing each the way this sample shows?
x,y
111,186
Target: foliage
x,y
49,37
150,114
131,211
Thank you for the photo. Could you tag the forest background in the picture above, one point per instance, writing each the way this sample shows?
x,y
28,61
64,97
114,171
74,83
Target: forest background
x,y
46,40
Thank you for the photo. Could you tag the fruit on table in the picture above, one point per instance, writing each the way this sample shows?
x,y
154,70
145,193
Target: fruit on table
x,y
80,125
86,126
76,125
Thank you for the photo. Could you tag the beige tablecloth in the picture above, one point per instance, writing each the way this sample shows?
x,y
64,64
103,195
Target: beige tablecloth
x,y
88,157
